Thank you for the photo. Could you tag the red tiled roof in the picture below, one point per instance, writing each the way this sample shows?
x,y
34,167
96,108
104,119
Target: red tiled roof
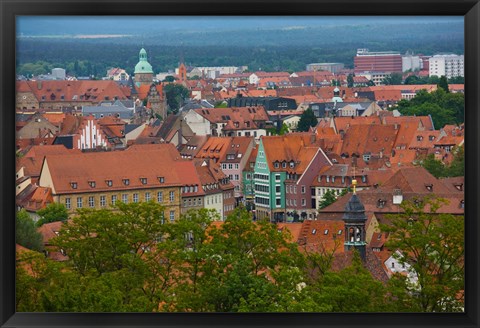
x,y
91,90
115,166
297,147
375,139
344,123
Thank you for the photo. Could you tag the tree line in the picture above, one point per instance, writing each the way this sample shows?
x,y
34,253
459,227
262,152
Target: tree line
x,y
132,260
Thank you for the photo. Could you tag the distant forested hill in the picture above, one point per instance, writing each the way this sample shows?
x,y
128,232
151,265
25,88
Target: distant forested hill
x,y
279,48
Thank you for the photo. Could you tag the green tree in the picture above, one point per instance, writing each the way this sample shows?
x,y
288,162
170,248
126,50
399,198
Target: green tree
x,y
221,104
53,212
457,166
353,289
456,80
443,83
393,79
432,244
307,120
169,78
444,108
350,80
328,198
26,233
434,166
176,95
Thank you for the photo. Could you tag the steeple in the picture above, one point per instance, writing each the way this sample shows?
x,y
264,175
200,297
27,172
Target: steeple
x,y
355,219
143,70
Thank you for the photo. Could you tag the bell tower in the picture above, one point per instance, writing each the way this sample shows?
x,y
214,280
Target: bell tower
x,y
355,219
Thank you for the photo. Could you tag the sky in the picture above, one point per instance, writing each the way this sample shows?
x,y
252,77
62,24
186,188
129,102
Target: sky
x,y
131,25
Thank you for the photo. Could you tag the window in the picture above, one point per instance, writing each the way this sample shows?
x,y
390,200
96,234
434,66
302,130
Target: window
x,y
295,190
91,201
147,196
143,180
236,167
172,196
108,182
303,189
103,201
114,199
126,182
92,184
125,198
79,202
237,177
68,203
135,198
284,165
230,166
278,201
160,197
277,177
292,164
304,202
276,165
161,179
172,216
224,166
74,185
277,189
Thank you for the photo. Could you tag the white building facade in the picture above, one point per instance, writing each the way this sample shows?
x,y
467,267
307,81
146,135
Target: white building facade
x,y
446,65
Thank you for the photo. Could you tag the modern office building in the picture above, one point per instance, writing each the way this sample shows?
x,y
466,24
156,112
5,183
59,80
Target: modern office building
x,y
385,61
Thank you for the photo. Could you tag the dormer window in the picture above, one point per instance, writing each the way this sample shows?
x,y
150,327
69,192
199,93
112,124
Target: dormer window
x,y
462,203
429,187
161,179
292,164
339,232
419,138
109,183
143,180
276,165
459,186
126,181
381,203
91,184
73,185
314,231
431,138
284,165
325,232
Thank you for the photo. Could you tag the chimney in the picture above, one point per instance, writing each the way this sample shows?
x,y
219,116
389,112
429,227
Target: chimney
x,y
313,138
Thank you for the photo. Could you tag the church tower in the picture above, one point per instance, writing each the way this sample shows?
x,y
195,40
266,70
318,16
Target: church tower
x,y
182,73
355,219
157,100
143,70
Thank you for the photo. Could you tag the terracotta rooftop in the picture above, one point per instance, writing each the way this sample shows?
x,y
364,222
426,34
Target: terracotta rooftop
x,y
91,90
297,147
97,171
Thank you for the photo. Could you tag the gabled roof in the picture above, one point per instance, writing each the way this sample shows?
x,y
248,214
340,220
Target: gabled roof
x,y
299,148
74,173
32,160
88,90
344,123
243,115
374,139
416,180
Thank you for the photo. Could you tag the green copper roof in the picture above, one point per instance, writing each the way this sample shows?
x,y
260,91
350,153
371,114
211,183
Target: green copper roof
x,y
143,65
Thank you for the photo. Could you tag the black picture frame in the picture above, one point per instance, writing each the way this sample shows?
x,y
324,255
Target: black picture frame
x,y
470,9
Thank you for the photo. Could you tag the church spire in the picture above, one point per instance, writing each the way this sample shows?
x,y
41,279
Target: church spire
x,y
355,219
